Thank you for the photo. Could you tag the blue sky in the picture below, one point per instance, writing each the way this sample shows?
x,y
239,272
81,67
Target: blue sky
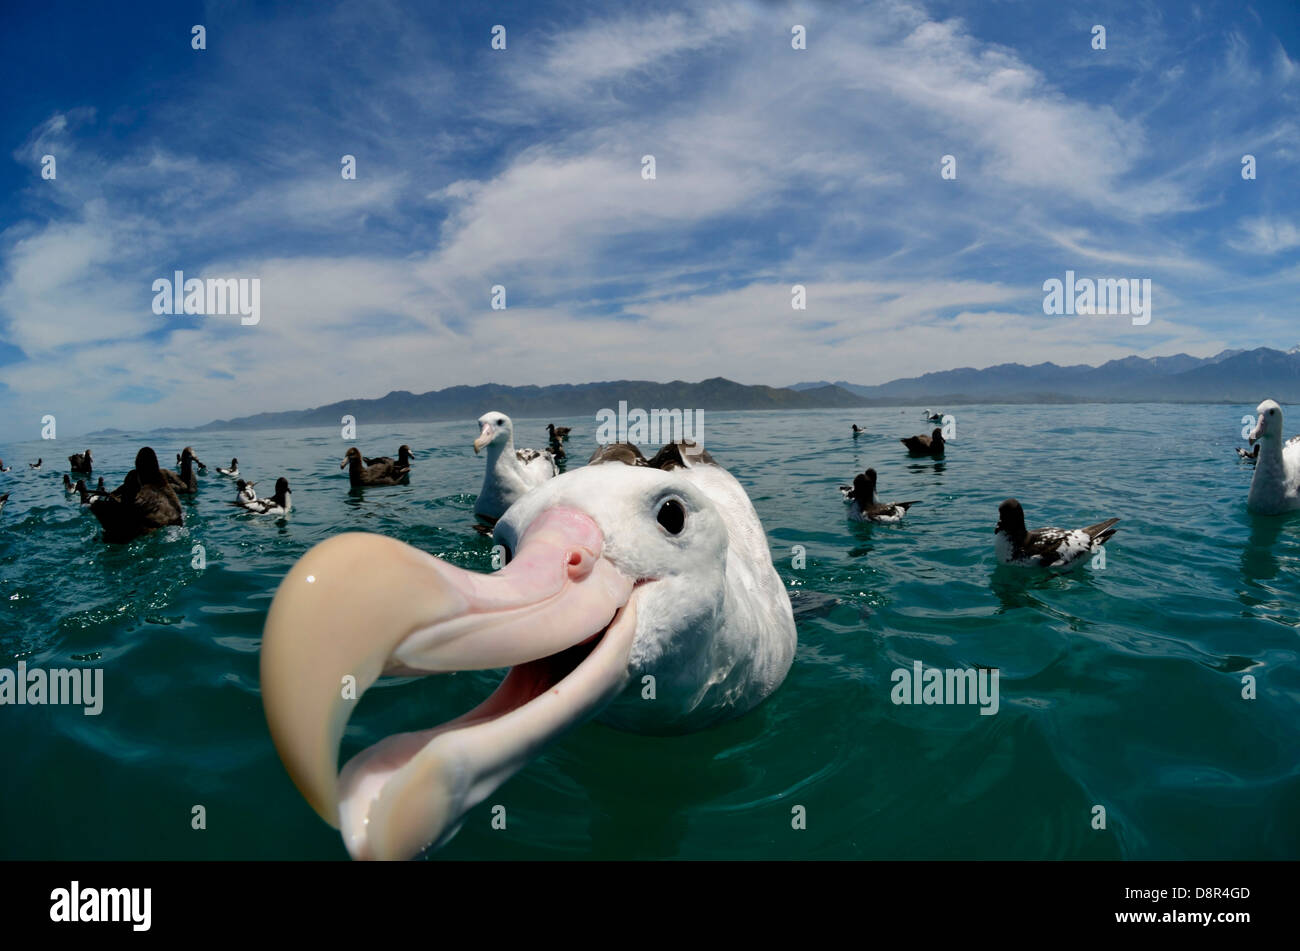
x,y
522,168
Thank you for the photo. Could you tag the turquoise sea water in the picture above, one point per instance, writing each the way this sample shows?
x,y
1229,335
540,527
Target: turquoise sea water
x,y
1120,687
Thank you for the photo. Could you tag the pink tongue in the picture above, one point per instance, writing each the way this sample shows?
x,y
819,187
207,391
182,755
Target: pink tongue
x,y
556,592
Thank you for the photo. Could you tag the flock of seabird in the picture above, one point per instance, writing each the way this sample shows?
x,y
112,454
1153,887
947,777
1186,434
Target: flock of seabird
x,y
625,575
149,497
1056,548
627,572
1274,489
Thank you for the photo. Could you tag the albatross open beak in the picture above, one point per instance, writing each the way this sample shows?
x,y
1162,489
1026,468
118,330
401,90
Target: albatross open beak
x,y
484,438
358,606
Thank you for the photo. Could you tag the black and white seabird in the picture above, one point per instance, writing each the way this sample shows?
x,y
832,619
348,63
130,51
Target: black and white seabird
x,y
232,472
1045,547
244,491
145,501
81,462
88,496
277,504
858,430
3,467
931,445
35,465
3,499
933,417
865,508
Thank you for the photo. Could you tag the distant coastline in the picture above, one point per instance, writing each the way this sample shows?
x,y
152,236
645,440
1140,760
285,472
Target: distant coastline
x,y
1228,378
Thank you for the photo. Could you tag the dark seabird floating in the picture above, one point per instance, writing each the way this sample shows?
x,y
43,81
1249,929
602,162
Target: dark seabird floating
x,y
3,499
865,508
931,445
3,467
68,487
558,432
277,504
35,465
80,462
1045,547
624,452
932,417
233,471
187,482
858,430
145,501
381,473
86,495
403,460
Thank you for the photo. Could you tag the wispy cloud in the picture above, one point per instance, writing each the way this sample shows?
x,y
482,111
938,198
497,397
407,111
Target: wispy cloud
x,y
774,166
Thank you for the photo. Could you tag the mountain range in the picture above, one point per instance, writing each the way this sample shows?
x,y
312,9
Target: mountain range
x,y
582,399
1232,376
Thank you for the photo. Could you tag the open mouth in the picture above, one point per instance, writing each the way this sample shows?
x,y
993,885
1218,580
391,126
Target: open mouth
x,y
357,607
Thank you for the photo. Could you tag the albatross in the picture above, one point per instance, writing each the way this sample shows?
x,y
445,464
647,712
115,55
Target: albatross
x,y
510,472
614,572
1275,487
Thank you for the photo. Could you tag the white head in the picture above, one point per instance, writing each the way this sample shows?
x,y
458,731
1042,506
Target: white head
x,y
495,429
1269,425
612,572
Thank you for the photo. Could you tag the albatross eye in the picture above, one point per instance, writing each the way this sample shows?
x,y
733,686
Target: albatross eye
x,y
672,516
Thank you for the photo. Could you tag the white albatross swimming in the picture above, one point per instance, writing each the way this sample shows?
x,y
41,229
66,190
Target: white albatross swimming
x,y
511,472
616,572
1275,487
